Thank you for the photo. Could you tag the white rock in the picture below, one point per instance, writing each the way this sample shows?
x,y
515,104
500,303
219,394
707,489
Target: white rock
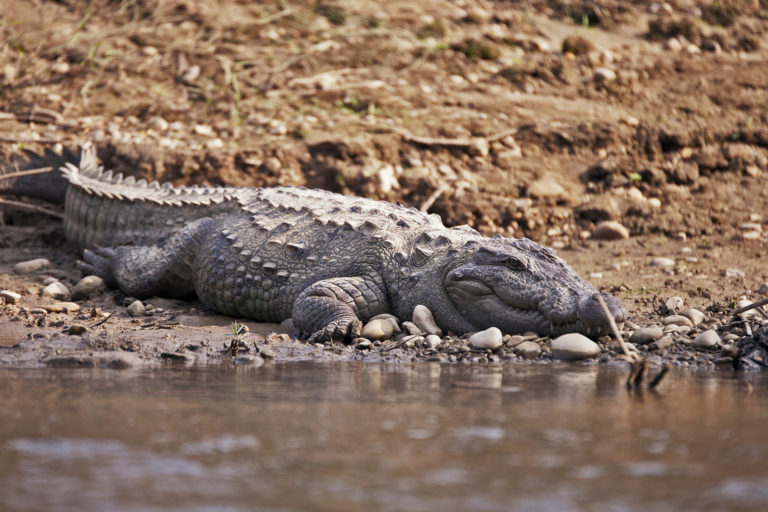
x,y
424,320
10,297
490,338
136,308
673,45
573,347
610,230
434,340
528,349
392,319
706,339
734,273
88,287
56,291
27,267
603,75
377,330
662,262
674,303
646,335
546,186
694,315
679,320
204,129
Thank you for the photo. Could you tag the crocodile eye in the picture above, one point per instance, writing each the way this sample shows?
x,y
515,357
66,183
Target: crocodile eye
x,y
513,263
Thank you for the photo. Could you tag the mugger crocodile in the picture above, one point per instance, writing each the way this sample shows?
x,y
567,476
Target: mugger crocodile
x,y
328,261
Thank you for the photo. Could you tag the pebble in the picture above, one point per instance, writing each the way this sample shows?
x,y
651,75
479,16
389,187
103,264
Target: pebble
x,y
528,349
392,319
763,290
62,307
411,328
434,340
27,267
664,342
513,341
546,186
610,230
573,347
603,75
379,329
77,330
490,338
266,352
56,291
706,339
662,262
674,303
423,319
646,335
49,280
10,296
363,344
694,315
136,308
679,320
734,273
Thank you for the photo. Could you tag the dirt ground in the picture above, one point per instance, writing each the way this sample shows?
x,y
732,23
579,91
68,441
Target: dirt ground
x,y
531,118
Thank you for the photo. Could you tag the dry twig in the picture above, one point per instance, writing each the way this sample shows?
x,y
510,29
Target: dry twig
x,y
426,205
612,323
754,305
28,172
30,208
659,376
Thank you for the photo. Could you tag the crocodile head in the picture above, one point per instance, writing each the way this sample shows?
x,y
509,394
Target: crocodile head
x,y
518,285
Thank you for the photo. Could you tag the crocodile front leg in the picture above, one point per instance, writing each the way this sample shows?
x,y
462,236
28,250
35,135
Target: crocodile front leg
x,y
334,308
146,271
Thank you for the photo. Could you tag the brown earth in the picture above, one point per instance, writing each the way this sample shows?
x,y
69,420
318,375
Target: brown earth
x,y
529,118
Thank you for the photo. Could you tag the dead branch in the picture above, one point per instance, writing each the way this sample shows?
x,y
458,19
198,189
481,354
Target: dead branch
x,y
439,141
28,172
28,140
612,323
754,305
659,376
426,205
30,208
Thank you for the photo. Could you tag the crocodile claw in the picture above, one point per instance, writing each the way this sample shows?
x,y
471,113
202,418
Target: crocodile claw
x,y
342,329
99,262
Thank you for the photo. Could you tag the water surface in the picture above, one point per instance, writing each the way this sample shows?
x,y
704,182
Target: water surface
x,y
350,436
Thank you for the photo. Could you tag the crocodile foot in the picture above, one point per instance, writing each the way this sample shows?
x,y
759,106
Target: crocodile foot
x,y
340,329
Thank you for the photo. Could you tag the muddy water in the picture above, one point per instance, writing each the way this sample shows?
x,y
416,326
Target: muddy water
x,y
336,437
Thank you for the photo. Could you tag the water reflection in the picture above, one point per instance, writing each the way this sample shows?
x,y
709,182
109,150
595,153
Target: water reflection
x,y
348,436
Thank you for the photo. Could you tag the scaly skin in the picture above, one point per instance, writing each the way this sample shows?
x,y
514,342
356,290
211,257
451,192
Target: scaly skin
x,y
328,261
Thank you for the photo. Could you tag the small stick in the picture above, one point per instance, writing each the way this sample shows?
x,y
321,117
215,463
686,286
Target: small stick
x,y
30,207
109,315
659,376
633,374
750,306
612,323
431,199
28,172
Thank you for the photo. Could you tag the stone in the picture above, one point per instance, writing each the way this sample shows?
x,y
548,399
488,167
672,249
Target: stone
x,y
646,335
379,329
490,338
707,339
364,344
10,297
573,347
679,320
674,303
434,340
694,315
56,290
136,308
77,330
734,273
662,262
392,319
513,340
604,75
62,307
610,230
546,186
423,319
663,343
27,267
528,349
763,290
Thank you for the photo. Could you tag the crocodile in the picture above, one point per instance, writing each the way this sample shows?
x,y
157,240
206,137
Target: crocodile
x,y
328,261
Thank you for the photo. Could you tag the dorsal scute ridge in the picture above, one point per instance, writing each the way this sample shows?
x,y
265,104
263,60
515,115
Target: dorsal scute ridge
x,y
93,179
